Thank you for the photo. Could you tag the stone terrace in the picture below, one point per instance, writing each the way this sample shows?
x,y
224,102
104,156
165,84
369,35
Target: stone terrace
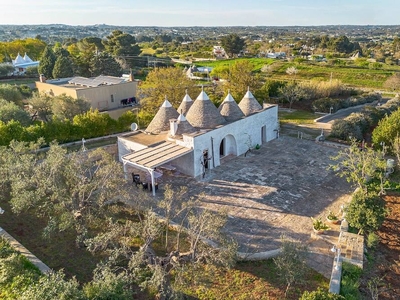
x,y
274,191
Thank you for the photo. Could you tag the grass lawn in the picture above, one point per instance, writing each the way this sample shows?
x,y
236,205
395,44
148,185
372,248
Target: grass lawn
x,y
297,116
18,81
148,51
257,62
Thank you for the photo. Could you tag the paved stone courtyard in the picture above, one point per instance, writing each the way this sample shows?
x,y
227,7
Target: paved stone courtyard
x,y
274,191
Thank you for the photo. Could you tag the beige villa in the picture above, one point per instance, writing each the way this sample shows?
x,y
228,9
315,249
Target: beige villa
x,y
103,92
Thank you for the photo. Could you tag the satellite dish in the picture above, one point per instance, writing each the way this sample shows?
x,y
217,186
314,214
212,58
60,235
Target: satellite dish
x,y
134,127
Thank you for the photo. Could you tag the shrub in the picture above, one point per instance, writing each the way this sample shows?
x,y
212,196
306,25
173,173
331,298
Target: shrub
x,y
350,283
372,240
344,129
320,294
366,211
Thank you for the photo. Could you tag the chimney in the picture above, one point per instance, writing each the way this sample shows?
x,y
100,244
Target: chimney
x,y
42,78
173,127
131,78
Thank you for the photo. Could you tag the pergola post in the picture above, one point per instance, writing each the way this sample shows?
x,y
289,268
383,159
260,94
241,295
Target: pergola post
x,y
153,186
125,170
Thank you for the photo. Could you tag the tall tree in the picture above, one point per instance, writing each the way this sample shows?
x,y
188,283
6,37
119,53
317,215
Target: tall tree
x,y
63,67
232,44
121,44
11,93
104,64
6,69
10,111
71,190
41,106
292,92
164,82
47,61
240,78
65,107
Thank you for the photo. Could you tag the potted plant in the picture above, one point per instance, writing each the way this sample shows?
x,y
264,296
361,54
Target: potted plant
x,y
332,218
319,226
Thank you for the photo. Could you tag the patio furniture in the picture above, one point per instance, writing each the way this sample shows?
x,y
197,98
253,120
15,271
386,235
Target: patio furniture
x,y
136,179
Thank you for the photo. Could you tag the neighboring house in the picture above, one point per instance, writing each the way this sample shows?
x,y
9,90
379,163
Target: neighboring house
x,y
280,55
103,92
219,52
198,137
204,71
316,57
22,63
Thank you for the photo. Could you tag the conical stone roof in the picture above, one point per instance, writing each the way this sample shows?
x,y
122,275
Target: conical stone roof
x,y
184,126
203,114
19,60
185,104
249,104
229,109
160,121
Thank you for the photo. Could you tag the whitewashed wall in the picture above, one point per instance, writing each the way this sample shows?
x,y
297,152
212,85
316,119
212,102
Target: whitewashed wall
x,y
247,132
126,146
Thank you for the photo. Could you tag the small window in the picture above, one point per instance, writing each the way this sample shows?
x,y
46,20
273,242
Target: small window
x,y
112,98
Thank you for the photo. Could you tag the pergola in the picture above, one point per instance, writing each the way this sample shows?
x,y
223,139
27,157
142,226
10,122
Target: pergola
x,y
152,157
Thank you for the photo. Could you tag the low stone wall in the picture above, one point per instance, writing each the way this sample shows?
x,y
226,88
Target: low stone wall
x,y
29,255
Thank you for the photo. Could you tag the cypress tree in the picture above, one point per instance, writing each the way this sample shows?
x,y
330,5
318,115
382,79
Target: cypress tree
x,y
62,68
47,61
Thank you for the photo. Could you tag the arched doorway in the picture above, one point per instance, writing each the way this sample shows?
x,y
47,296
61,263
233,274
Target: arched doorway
x,y
228,146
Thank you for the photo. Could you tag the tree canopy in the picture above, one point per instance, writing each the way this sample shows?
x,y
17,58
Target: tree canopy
x,y
62,67
121,44
240,78
10,111
232,44
47,61
104,64
165,82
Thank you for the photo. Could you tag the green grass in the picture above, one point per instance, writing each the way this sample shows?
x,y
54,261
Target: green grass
x,y
257,62
350,283
297,117
250,280
351,75
19,81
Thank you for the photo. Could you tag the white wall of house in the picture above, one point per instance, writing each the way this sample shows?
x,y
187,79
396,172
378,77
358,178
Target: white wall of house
x,y
126,146
239,136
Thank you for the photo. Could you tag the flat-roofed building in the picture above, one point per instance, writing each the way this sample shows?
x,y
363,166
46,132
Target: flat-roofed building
x,y
103,92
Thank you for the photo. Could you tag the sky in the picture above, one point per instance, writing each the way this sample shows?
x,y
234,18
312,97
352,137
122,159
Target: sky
x,y
201,13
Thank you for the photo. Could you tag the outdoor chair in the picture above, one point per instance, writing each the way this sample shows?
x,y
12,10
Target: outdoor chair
x,y
136,179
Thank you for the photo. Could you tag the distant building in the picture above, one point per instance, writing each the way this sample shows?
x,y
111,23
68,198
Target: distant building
x,y
278,55
219,52
103,92
316,57
22,63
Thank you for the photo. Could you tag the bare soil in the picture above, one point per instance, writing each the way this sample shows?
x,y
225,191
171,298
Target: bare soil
x,y
385,259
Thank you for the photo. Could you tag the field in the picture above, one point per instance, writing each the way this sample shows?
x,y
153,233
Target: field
x,y
351,75
258,63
